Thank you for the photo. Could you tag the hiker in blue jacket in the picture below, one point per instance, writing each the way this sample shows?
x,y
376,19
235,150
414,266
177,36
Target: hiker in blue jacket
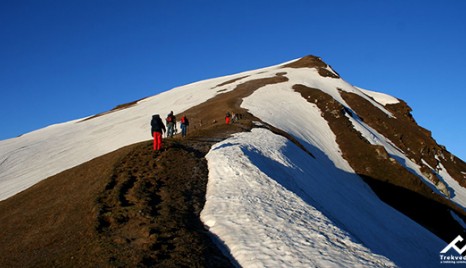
x,y
184,125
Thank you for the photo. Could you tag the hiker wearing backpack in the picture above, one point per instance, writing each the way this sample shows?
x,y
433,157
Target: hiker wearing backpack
x,y
157,129
184,125
171,124
227,118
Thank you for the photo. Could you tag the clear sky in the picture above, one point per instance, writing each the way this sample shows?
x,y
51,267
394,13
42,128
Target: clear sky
x,y
64,60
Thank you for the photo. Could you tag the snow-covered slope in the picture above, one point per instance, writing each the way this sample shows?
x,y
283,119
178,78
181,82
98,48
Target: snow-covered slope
x,y
275,206
32,157
268,201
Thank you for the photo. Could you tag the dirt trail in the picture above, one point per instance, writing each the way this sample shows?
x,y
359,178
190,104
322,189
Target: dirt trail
x,y
149,211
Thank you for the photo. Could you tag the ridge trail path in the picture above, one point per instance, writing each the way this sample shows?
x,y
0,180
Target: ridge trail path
x,y
131,208
149,210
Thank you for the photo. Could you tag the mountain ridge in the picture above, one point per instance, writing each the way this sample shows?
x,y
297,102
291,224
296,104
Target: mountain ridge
x,y
369,134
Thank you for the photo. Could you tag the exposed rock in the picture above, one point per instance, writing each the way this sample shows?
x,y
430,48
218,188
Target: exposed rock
x,y
381,152
442,188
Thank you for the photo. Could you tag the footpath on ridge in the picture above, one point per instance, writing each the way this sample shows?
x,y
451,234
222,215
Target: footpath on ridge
x,y
149,210
131,208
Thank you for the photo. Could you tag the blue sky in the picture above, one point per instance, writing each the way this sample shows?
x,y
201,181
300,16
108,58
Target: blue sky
x,y
63,60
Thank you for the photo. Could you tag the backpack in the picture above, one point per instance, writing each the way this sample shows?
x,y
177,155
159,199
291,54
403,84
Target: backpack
x,y
169,118
156,124
184,120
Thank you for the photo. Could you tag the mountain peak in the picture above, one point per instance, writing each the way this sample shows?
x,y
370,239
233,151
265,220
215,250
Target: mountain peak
x,y
311,61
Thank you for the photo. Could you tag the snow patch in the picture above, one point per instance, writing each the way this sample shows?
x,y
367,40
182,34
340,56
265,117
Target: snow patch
x,y
381,98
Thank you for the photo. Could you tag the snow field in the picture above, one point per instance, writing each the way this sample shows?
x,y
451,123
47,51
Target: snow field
x,y
301,212
283,230
379,97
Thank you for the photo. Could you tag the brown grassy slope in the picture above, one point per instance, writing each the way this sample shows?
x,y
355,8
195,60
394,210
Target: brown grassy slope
x,y
212,112
415,141
53,222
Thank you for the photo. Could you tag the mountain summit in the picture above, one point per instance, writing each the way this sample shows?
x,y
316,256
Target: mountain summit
x,y
315,172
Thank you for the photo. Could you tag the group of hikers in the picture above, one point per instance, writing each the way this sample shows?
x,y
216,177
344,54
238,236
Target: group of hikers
x,y
232,117
158,128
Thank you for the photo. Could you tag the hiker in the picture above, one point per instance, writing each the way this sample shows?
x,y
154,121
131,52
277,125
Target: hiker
x,y
171,124
234,118
157,130
184,125
227,118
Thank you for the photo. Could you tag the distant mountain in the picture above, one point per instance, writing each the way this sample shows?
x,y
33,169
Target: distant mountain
x,y
314,172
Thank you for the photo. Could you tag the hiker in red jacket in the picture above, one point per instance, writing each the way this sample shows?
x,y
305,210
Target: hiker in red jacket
x,y
157,131
227,118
